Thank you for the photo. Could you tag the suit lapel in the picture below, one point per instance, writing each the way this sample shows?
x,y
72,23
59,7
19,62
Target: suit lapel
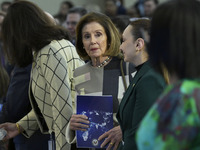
x,y
132,85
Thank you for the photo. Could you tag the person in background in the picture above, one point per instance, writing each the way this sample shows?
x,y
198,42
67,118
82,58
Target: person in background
x,y
63,10
73,17
110,8
4,61
8,68
149,7
2,16
4,82
5,5
173,122
121,22
114,8
92,7
17,105
40,42
144,88
98,42
133,11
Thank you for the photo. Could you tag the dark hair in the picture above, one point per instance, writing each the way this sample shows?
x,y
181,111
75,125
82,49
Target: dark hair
x,y
68,3
175,36
80,10
113,37
4,80
155,1
140,27
121,22
27,28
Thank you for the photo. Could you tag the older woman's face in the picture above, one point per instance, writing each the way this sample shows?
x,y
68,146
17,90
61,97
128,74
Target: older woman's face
x,y
94,39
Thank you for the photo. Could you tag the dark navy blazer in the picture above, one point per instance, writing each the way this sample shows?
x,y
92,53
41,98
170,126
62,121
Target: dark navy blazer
x,y
17,105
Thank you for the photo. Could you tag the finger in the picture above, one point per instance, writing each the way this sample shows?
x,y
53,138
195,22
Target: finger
x,y
79,125
103,136
2,125
80,116
116,146
80,121
82,129
106,141
110,146
6,138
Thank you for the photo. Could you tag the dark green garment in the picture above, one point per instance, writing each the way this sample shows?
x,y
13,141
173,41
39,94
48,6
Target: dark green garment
x,y
143,91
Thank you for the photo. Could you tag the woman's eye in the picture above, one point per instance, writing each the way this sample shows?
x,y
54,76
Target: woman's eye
x,y
98,34
86,36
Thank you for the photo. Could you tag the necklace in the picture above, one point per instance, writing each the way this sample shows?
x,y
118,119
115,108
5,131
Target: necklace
x,y
104,62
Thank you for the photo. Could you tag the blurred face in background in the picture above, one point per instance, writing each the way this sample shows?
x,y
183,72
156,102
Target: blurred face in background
x,y
110,8
149,7
5,7
1,21
71,22
64,9
94,40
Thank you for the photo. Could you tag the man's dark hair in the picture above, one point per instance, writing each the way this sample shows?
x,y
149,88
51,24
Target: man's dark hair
x,y
155,1
80,10
70,4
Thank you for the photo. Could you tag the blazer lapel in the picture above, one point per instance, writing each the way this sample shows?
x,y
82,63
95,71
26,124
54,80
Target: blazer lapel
x,y
132,85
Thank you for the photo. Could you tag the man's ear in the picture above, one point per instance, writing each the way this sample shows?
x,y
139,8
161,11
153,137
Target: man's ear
x,y
140,44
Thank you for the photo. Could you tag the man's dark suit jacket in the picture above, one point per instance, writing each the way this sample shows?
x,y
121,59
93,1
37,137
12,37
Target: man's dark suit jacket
x,y
142,92
17,105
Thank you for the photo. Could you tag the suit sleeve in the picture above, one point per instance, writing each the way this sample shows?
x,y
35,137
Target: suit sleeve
x,y
17,103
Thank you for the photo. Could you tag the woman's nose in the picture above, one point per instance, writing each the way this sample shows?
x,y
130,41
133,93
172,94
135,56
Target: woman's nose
x,y
93,39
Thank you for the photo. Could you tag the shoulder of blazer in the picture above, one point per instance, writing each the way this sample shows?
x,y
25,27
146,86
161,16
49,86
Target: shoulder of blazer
x,y
134,81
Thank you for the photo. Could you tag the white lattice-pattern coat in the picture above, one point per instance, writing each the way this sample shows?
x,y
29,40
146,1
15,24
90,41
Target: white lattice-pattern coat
x,y
51,84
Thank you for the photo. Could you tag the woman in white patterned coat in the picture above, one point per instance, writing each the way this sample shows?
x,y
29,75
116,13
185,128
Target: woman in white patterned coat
x,y
29,35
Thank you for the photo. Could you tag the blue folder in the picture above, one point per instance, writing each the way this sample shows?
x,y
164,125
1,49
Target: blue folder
x,y
99,110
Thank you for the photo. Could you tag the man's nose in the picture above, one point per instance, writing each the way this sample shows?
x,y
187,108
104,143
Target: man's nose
x,y
69,25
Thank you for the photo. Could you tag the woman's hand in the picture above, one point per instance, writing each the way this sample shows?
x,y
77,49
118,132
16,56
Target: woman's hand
x,y
11,129
113,137
79,122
